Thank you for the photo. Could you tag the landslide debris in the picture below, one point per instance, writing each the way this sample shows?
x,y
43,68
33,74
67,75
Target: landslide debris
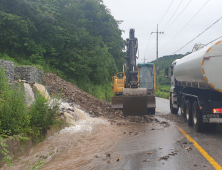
x,y
88,103
176,118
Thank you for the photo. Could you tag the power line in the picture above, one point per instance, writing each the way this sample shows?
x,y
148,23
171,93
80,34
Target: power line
x,y
166,12
148,45
144,59
214,40
157,70
178,16
174,20
185,25
173,14
153,50
200,34
159,23
161,36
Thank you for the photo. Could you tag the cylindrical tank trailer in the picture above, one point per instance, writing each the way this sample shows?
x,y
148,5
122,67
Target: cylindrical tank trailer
x,y
202,68
196,86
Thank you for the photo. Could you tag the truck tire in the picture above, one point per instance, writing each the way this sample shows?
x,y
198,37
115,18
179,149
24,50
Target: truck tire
x,y
182,107
188,112
173,110
197,118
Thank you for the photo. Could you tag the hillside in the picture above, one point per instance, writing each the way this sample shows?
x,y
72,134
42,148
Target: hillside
x,y
165,62
78,40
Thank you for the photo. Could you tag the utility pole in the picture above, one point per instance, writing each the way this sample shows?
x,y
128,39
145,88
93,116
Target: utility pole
x,y
157,70
144,59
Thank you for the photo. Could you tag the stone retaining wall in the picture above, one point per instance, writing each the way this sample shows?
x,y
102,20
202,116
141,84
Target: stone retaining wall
x,y
30,74
9,69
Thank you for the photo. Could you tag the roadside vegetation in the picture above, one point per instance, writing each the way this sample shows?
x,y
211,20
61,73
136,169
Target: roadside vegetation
x,y
164,83
163,92
78,40
165,62
102,92
19,121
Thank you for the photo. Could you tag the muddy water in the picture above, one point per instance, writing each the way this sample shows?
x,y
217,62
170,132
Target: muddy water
x,y
81,152
88,148
29,97
76,147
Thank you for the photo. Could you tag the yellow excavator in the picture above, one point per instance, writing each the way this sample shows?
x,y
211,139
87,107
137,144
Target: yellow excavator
x,y
134,89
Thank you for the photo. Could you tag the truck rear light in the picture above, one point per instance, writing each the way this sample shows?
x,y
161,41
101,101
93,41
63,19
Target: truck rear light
x,y
217,110
206,58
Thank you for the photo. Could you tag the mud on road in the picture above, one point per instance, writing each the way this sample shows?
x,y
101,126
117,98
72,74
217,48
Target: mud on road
x,y
103,138
92,143
138,135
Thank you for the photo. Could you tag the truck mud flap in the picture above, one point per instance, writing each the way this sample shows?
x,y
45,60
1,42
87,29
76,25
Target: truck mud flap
x,y
135,105
117,102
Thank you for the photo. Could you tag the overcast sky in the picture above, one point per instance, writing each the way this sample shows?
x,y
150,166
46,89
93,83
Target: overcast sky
x,y
144,15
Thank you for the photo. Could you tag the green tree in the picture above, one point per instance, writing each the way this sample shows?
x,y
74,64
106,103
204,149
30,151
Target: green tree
x,y
80,40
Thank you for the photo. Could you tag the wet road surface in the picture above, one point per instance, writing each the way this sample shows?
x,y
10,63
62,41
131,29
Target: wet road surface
x,y
102,144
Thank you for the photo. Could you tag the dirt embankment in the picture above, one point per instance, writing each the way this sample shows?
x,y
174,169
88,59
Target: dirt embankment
x,y
88,103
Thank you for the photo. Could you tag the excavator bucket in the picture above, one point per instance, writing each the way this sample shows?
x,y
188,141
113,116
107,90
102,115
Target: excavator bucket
x,y
117,102
135,105
139,105
151,104
151,101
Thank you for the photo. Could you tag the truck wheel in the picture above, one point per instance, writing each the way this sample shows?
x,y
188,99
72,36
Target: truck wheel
x,y
197,118
173,110
182,107
188,113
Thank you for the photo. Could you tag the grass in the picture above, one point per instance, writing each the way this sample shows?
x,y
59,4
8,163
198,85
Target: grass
x,y
21,62
163,92
102,92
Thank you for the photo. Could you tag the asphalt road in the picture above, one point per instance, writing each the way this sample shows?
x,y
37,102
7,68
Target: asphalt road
x,y
166,143
146,146
169,140
158,146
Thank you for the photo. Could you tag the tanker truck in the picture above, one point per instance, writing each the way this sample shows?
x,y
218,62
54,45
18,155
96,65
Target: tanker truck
x,y
196,86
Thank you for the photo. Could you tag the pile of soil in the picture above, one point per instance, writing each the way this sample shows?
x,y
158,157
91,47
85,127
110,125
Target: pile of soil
x,y
88,103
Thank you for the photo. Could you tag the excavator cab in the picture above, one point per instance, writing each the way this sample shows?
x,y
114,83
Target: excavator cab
x,y
146,76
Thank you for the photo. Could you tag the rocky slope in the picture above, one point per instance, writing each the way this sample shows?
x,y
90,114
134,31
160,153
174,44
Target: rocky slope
x,y
88,103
